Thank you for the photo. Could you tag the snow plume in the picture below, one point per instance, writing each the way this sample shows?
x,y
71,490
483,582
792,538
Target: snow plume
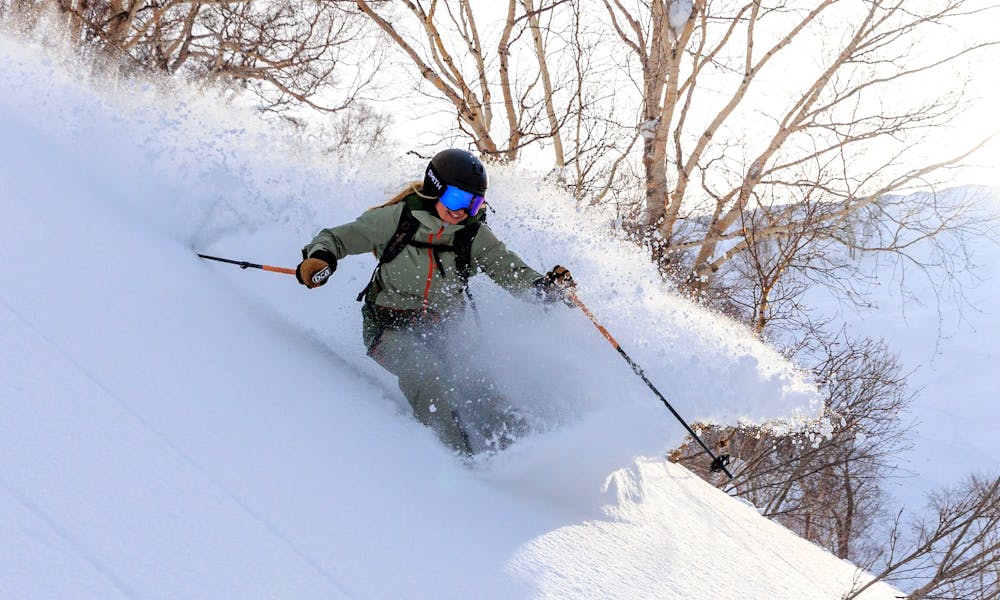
x,y
218,179
178,428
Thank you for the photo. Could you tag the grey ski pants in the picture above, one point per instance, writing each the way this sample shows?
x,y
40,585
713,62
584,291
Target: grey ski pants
x,y
427,382
451,397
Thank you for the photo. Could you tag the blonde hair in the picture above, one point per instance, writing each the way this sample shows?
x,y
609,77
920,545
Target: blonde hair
x,y
414,187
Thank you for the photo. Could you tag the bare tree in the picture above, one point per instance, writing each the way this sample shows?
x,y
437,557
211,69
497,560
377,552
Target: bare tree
x,y
759,289
656,33
955,550
763,129
825,482
831,138
288,53
515,75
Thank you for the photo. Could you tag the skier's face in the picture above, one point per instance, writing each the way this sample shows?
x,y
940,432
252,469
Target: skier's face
x,y
451,217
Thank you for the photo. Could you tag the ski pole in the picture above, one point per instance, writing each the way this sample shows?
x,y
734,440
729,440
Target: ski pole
x,y
718,462
243,265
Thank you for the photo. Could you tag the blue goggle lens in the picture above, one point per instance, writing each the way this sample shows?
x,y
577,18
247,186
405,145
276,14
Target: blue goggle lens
x,y
459,199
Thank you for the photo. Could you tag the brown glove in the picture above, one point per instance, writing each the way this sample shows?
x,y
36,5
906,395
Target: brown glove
x,y
315,270
556,284
560,277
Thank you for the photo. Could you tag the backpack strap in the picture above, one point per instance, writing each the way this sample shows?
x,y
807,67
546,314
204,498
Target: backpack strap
x,y
463,250
403,236
405,229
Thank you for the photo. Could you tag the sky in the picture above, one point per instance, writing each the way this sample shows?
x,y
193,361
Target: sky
x,y
175,428
982,119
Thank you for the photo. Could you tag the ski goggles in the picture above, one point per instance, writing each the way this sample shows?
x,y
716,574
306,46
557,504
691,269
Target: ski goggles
x,y
458,199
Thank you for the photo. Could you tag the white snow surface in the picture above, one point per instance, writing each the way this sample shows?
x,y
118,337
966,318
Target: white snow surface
x,y
946,336
177,428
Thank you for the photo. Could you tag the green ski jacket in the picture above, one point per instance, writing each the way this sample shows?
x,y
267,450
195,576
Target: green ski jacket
x,y
415,280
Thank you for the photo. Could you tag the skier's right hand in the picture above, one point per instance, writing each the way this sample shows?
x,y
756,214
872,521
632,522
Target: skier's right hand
x,y
556,286
315,270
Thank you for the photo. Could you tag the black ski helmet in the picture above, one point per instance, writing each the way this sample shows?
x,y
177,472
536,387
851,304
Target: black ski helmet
x,y
458,168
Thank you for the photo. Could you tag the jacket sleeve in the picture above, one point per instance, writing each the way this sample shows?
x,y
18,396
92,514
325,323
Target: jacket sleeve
x,y
504,267
367,233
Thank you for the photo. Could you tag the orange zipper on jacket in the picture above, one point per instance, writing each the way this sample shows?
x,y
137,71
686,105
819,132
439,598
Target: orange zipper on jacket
x,y
430,270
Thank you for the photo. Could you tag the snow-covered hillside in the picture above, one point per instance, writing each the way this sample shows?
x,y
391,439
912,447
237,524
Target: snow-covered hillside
x,y
944,330
174,428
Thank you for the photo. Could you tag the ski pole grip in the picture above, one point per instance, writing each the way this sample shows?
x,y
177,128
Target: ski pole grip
x,y
284,270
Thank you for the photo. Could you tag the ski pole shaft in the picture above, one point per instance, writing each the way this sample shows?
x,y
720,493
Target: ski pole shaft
x,y
718,462
244,265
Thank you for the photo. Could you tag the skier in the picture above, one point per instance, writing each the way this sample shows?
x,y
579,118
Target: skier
x,y
429,239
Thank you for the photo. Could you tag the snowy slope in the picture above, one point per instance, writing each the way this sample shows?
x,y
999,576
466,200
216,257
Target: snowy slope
x,y
172,428
946,337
